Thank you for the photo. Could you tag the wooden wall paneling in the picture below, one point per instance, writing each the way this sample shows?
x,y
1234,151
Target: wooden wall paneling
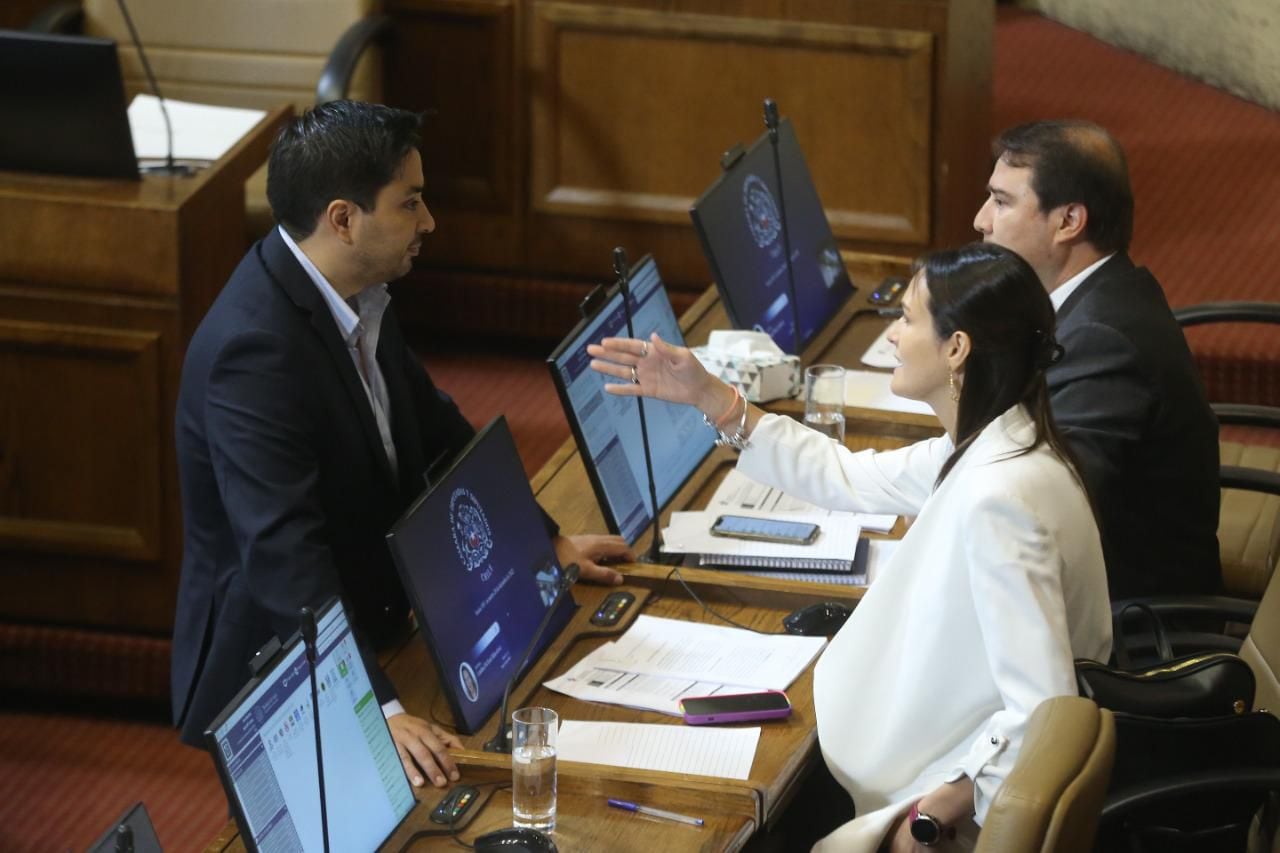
x,y
631,109
458,61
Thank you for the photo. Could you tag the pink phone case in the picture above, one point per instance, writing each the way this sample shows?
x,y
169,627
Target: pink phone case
x,y
730,712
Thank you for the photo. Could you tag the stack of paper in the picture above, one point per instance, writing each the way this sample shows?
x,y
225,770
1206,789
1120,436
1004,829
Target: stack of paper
x,y
200,132
738,492
833,551
659,661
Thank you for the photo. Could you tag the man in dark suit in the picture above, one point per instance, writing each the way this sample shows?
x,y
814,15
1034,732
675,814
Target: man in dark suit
x,y
1127,394
305,424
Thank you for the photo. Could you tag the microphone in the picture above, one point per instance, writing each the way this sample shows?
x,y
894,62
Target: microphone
x,y
169,167
307,625
621,270
124,839
771,122
501,741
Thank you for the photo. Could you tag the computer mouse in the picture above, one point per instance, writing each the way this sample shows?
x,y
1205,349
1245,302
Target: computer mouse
x,y
515,839
817,620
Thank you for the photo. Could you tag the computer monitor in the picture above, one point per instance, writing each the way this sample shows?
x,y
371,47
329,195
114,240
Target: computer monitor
x,y
738,220
62,99
607,427
476,557
264,746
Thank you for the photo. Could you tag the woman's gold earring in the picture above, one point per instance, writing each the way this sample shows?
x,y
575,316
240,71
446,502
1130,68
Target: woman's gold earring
x,y
951,383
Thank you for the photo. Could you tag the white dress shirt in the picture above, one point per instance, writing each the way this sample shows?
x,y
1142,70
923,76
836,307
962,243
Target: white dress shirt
x,y
996,588
1061,292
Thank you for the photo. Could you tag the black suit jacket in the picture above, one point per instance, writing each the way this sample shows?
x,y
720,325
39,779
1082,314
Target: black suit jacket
x,y
1129,400
287,492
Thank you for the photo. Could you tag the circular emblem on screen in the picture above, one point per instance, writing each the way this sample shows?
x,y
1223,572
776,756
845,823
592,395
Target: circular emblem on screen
x,y
761,210
471,534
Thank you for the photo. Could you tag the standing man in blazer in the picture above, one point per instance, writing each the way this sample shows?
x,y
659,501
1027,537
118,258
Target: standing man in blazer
x,y
1127,395
305,424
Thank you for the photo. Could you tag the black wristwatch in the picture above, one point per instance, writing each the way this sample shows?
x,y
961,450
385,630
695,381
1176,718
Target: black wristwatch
x,y
926,829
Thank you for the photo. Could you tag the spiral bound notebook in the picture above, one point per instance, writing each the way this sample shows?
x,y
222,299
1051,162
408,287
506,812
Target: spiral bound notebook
x,y
836,549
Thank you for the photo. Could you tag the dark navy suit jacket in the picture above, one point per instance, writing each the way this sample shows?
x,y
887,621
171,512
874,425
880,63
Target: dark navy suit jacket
x,y
1130,402
287,492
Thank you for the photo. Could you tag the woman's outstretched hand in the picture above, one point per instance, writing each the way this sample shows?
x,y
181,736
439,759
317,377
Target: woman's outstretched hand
x,y
654,368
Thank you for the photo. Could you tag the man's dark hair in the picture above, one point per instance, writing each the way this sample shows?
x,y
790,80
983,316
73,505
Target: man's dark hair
x,y
342,149
1076,162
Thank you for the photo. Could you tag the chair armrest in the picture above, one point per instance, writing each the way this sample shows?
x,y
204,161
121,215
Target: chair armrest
x,y
1246,414
62,17
1252,479
1218,606
335,79
1121,803
1228,312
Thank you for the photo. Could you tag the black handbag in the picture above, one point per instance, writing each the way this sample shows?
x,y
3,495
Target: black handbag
x,y
1212,684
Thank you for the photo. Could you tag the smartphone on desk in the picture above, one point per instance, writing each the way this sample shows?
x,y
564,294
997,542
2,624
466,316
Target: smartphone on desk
x,y
766,529
735,707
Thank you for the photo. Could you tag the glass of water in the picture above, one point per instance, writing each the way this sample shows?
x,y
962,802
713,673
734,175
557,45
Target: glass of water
x,y
824,399
533,767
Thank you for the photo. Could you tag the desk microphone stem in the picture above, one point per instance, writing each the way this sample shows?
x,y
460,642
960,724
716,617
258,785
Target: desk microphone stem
x,y
621,270
307,626
771,122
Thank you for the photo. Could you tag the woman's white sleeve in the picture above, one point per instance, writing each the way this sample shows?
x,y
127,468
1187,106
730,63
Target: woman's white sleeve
x,y
806,464
1015,571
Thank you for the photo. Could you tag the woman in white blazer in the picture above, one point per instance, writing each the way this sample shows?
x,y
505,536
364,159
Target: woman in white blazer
x,y
923,696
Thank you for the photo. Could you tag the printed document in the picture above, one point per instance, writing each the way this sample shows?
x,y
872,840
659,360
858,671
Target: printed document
x,y
702,750
738,492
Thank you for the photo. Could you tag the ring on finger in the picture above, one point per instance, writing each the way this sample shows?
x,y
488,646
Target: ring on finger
x,y
635,379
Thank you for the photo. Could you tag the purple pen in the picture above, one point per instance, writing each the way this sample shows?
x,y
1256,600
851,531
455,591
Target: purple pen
x,y
629,806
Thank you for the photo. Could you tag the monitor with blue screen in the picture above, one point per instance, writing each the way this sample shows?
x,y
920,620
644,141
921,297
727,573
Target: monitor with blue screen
x,y
607,427
738,220
265,749
476,557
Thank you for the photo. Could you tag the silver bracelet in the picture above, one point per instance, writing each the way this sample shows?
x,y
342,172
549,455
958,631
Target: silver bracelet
x,y
738,438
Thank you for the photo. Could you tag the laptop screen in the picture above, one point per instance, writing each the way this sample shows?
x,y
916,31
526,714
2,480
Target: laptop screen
x,y
607,427
477,559
62,98
264,746
738,220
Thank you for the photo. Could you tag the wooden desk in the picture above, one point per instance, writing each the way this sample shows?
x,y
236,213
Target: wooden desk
x,y
101,285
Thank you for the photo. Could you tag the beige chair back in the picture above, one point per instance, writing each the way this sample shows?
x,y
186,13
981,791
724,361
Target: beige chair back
x,y
1052,798
1261,649
1249,524
236,53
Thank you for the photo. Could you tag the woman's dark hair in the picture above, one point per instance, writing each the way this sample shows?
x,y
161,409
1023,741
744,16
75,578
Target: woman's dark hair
x,y
342,149
995,297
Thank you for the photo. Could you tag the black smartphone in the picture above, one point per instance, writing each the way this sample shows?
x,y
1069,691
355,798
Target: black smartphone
x,y
735,708
766,529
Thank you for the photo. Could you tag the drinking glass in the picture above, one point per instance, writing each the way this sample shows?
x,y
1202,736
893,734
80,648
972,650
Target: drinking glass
x,y
533,767
824,399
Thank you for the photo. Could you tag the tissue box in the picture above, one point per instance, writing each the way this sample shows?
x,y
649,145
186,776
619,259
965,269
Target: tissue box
x,y
761,371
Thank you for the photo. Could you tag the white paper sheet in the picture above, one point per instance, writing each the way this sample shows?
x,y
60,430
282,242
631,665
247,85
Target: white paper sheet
x,y
597,678
712,653
870,390
881,353
738,492
200,131
726,753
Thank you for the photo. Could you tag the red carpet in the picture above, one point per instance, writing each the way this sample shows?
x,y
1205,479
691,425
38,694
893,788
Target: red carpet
x,y
1205,173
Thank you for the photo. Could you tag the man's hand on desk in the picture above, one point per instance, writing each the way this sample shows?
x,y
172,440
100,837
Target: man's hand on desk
x,y
589,551
424,749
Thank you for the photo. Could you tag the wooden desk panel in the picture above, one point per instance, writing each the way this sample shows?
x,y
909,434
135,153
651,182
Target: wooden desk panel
x,y
101,285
